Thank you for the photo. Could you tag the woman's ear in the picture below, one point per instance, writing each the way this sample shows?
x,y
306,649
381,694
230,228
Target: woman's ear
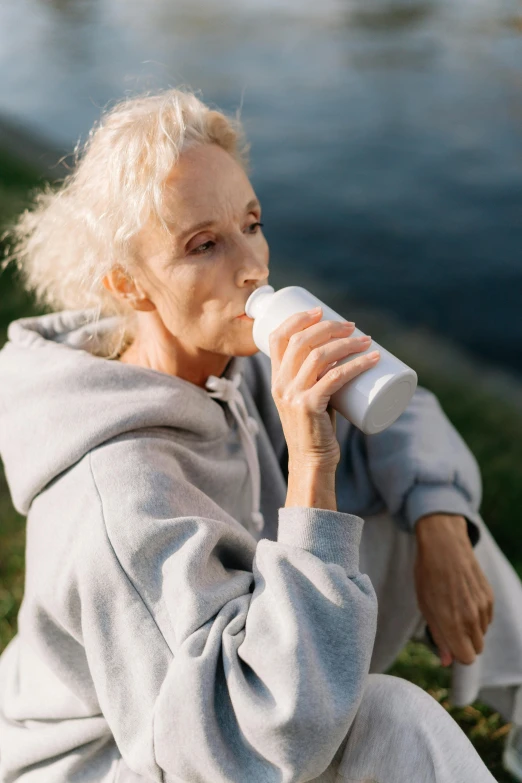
x,y
118,282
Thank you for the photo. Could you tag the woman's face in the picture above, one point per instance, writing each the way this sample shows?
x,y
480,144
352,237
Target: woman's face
x,y
200,277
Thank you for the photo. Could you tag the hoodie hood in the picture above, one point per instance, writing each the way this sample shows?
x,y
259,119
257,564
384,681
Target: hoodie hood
x,y
48,422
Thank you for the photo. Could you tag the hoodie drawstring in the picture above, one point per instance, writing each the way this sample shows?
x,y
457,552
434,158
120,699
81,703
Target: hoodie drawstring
x,y
228,391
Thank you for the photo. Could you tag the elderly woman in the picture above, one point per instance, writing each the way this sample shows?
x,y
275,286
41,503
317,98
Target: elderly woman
x,y
189,614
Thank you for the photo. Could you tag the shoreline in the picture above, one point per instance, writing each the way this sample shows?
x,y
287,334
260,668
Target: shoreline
x,y
418,346
31,149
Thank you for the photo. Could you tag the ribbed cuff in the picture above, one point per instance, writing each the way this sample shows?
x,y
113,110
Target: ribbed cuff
x,y
334,536
440,499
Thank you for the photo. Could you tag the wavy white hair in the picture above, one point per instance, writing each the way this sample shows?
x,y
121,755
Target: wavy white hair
x,y
75,231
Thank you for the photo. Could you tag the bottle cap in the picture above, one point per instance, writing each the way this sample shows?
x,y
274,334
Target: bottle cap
x,y
257,299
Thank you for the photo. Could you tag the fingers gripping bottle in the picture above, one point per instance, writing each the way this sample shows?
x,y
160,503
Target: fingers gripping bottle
x,y
372,400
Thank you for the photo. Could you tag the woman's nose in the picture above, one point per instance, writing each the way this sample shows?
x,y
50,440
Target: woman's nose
x,y
252,265
252,273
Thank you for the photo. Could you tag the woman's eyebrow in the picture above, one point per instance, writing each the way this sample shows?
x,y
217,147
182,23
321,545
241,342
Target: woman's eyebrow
x,y
206,223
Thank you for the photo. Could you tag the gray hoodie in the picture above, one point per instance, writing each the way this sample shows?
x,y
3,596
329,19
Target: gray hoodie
x,y
177,620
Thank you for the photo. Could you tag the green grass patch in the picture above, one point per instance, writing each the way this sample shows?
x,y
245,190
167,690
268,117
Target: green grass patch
x,y
16,183
12,560
17,179
483,726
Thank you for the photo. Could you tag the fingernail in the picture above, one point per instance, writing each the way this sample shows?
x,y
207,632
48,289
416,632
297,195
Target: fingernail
x,y
314,311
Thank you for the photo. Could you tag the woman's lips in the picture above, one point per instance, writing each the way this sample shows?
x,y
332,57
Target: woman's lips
x,y
245,317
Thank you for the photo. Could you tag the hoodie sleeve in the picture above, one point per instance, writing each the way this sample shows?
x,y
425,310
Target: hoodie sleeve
x,y
249,658
419,465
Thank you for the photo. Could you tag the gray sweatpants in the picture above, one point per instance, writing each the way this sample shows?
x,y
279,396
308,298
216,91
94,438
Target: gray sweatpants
x,y
387,556
402,735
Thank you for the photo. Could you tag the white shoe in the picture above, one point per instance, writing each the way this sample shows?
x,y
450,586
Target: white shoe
x,y
512,756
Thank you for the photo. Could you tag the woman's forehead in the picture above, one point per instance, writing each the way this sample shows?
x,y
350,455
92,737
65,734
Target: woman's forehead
x,y
205,183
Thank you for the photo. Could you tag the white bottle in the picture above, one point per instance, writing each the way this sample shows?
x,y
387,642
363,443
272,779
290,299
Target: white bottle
x,y
372,400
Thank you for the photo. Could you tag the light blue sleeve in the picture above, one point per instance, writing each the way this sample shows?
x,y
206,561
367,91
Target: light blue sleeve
x,y
419,465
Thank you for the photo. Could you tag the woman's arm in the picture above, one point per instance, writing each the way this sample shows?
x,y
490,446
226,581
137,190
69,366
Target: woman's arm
x,y
420,465
255,656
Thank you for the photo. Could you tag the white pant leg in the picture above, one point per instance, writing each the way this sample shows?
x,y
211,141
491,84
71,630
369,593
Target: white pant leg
x,y
400,734
387,555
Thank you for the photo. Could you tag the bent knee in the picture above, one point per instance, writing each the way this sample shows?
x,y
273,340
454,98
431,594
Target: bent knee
x,y
393,700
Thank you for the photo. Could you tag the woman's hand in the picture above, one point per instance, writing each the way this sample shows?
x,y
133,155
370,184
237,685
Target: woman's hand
x,y
453,594
303,351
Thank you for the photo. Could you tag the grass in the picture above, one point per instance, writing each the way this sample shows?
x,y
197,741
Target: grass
x,y
12,545
482,725
492,431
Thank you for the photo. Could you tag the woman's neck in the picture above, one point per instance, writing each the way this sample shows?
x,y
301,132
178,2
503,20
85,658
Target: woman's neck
x,y
189,368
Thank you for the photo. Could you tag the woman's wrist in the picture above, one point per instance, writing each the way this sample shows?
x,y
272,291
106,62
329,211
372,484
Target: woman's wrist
x,y
443,527
311,486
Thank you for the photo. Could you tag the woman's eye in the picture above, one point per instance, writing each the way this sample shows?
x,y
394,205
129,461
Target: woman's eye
x,y
207,246
204,248
256,226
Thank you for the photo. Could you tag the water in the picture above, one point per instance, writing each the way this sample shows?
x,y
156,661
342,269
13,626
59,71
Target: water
x,y
386,136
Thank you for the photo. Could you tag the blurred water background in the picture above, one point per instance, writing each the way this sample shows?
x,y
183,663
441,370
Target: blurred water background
x,y
387,144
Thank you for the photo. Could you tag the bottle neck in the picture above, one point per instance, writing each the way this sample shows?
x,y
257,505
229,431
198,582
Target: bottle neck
x,y
259,301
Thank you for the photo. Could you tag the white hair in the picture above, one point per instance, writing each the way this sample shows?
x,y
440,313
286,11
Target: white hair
x,y
75,231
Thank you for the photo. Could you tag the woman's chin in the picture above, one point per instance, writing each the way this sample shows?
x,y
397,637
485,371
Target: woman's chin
x,y
238,339
247,349
243,345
